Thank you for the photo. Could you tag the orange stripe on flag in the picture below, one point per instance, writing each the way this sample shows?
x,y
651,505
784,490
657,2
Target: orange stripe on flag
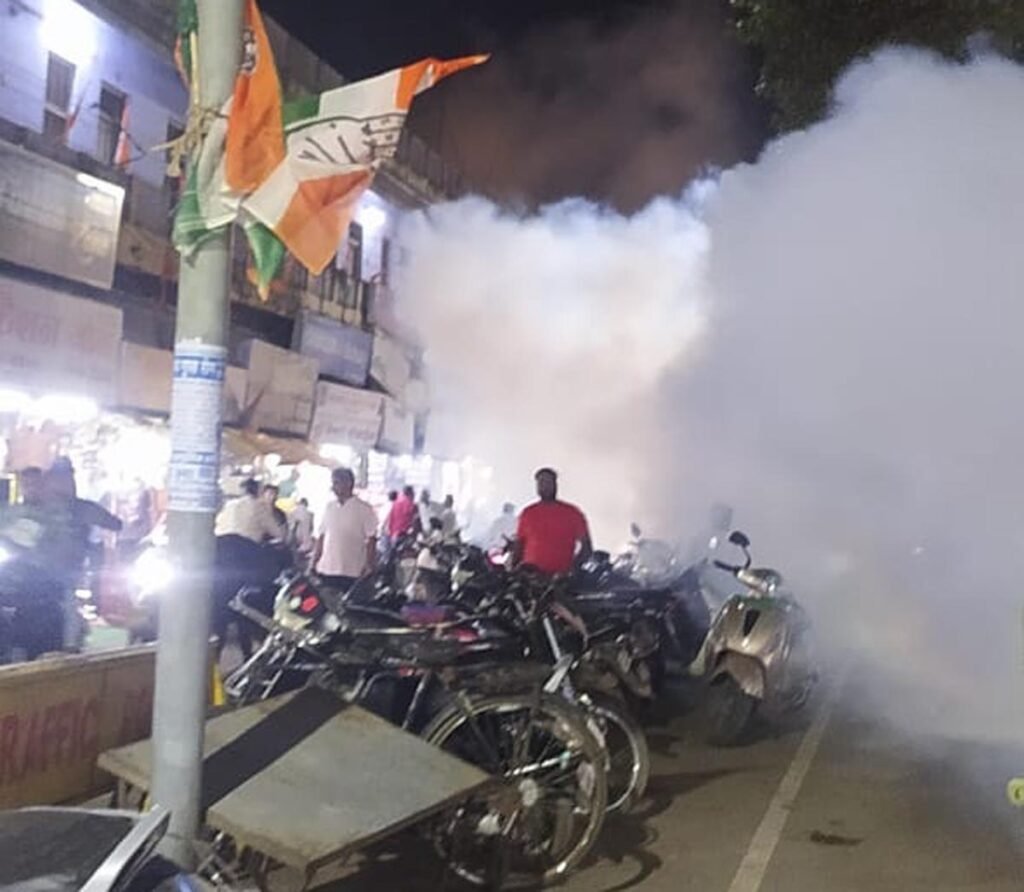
x,y
422,75
255,140
318,217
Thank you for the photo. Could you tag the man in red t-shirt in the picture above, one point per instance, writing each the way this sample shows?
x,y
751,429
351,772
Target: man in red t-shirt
x,y
552,535
403,515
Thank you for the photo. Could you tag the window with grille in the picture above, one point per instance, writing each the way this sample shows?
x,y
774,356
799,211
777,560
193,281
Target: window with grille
x,y
325,284
60,80
55,126
111,111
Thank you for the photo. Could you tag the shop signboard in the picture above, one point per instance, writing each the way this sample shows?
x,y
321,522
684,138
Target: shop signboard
x,y
398,430
144,382
51,342
342,351
236,381
347,416
145,378
390,367
58,715
56,219
280,390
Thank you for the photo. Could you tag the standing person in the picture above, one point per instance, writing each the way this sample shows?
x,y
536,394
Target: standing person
x,y
346,544
428,510
300,528
552,535
385,543
271,493
30,487
449,519
39,533
83,515
503,529
392,498
249,516
403,518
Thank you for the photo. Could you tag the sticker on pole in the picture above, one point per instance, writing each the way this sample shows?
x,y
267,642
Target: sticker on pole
x,y
196,399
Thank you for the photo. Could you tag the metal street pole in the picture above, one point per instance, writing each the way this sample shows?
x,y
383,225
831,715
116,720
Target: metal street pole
x,y
182,662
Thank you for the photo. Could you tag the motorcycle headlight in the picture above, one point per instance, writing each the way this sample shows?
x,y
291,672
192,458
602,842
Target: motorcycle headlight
x,y
151,573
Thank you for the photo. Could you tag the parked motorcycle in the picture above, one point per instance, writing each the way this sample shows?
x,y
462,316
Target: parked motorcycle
x,y
756,659
506,619
238,563
505,717
645,591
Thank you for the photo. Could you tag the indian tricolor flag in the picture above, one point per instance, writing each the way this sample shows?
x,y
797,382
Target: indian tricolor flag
x,y
255,143
335,142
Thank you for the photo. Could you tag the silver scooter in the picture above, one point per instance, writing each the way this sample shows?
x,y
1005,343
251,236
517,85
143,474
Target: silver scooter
x,y
756,659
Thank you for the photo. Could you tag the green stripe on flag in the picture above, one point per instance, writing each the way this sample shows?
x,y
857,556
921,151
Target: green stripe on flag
x,y
190,227
188,23
267,253
295,110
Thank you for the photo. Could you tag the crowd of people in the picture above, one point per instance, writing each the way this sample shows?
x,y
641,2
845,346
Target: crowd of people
x,y
59,532
348,539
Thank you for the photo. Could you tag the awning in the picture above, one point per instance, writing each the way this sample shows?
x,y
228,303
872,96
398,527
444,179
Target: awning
x,y
243,446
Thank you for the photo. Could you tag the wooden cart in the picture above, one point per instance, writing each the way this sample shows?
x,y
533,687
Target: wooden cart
x,y
306,780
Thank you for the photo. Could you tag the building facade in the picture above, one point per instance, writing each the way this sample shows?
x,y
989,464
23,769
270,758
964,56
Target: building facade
x,y
88,279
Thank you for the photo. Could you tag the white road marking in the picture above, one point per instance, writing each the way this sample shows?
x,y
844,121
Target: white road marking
x,y
755,863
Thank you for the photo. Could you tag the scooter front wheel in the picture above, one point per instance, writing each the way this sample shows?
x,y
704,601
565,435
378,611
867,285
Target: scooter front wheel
x,y
729,712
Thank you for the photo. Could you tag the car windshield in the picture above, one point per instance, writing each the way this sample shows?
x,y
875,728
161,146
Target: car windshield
x,y
53,850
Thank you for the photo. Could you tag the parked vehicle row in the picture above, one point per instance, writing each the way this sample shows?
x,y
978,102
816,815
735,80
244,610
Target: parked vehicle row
x,y
541,682
538,681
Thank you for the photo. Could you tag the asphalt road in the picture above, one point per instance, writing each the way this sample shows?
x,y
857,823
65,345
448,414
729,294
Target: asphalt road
x,y
840,801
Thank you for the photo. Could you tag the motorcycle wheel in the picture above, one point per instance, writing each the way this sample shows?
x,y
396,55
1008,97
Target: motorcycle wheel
x,y
546,815
627,755
729,712
657,671
265,674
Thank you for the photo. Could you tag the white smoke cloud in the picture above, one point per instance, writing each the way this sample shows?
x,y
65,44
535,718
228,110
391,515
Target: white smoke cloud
x,y
830,343
546,337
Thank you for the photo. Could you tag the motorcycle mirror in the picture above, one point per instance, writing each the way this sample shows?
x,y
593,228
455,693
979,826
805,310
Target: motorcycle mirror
x,y
739,538
634,530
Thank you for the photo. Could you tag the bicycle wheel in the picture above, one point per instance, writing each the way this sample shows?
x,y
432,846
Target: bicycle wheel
x,y
628,758
545,816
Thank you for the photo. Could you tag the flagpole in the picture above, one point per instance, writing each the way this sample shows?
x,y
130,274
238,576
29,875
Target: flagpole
x,y
182,663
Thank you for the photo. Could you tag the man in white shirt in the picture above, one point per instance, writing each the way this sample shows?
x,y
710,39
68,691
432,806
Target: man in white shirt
x,y
449,519
428,510
503,530
249,516
346,544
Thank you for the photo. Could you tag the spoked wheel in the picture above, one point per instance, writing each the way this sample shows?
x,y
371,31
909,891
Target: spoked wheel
x,y
549,808
628,759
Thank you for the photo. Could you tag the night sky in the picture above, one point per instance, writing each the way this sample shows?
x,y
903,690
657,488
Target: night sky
x,y
617,101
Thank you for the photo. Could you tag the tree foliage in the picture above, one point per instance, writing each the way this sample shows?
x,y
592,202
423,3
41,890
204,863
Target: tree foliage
x,y
803,45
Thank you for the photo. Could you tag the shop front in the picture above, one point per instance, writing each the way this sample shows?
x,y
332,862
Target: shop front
x,y
58,368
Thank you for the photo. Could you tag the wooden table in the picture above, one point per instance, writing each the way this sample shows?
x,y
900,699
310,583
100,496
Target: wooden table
x,y
306,779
